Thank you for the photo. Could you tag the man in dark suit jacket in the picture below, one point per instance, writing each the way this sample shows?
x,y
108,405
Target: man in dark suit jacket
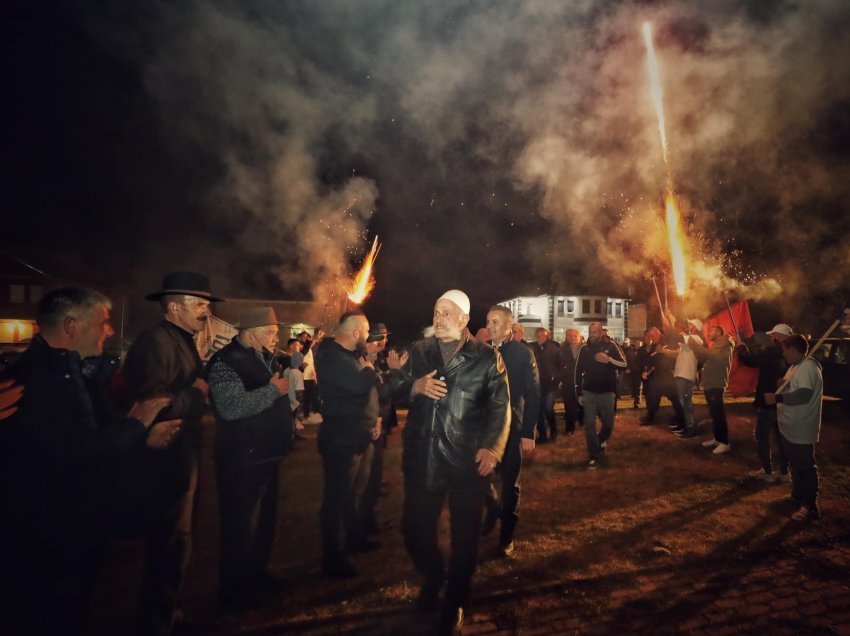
x,y
524,387
54,452
163,361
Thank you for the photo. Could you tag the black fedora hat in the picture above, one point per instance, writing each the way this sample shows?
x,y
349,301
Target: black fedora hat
x,y
184,284
377,332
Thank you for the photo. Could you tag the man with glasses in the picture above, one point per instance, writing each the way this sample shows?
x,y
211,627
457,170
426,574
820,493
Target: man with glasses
x,y
164,361
251,403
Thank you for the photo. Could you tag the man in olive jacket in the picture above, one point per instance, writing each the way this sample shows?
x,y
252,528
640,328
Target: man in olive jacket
x,y
163,361
457,428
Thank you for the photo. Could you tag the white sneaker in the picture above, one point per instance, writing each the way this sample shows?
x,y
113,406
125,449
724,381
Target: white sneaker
x,y
720,449
710,443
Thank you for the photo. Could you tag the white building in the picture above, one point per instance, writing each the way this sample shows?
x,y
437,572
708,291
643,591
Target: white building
x,y
557,313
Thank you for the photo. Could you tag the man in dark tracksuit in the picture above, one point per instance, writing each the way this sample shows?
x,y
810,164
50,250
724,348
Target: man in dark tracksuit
x,y
348,388
596,385
658,373
376,345
772,366
255,431
573,413
548,356
524,388
457,428
164,361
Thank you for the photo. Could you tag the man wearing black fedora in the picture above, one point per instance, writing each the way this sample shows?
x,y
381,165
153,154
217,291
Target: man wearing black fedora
x,y
255,429
164,361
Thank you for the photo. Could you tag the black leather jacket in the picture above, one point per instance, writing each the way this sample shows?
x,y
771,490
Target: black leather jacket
x,y
441,438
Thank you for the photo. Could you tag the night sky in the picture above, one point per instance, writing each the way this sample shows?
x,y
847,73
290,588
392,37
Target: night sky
x,y
501,147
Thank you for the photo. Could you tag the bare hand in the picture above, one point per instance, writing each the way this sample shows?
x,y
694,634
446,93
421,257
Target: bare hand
x,y
644,375
376,430
770,398
604,358
526,445
486,461
9,396
202,386
580,400
147,410
430,387
280,383
396,360
162,434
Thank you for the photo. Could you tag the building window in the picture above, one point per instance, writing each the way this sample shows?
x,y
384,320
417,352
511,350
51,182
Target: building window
x,y
36,292
610,308
16,293
571,306
528,308
618,309
585,306
597,306
560,307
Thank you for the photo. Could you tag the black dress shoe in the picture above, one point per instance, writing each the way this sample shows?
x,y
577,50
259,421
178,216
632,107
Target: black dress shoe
x,y
358,547
451,621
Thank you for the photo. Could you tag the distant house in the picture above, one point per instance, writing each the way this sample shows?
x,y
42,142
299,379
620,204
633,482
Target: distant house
x,y
570,311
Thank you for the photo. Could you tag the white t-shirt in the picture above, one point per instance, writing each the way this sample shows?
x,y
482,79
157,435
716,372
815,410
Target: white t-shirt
x,y
800,424
309,367
686,361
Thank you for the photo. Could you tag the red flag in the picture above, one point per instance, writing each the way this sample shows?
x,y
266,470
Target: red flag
x,y
742,379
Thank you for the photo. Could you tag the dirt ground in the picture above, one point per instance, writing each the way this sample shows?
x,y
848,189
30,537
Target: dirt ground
x,y
665,538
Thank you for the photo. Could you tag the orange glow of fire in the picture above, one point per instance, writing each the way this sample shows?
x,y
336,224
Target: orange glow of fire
x,y
676,240
364,282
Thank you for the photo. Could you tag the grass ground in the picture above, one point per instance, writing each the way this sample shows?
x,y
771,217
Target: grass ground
x,y
662,539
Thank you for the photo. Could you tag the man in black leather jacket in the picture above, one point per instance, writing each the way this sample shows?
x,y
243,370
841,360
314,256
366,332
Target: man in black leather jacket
x,y
456,431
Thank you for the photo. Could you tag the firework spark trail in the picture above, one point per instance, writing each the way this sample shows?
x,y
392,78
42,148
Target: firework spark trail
x,y
658,99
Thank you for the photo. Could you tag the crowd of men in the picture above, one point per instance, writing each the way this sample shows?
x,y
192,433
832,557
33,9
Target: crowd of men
x,y
86,458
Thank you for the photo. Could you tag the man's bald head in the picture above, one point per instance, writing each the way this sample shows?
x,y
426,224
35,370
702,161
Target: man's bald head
x,y
353,331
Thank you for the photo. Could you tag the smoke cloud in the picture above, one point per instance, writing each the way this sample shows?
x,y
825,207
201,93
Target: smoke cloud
x,y
511,147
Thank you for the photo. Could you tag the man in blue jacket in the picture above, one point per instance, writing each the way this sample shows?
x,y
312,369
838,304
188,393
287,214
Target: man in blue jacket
x,y
56,455
524,386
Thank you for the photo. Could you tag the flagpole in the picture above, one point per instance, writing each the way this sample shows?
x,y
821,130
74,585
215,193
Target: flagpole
x,y
732,317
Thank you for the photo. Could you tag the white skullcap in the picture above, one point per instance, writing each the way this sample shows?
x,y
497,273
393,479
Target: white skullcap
x,y
696,322
458,298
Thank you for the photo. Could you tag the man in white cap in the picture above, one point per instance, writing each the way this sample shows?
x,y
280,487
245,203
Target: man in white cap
x,y
685,375
255,429
772,366
457,428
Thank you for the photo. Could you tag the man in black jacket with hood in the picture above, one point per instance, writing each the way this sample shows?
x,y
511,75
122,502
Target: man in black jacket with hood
x,y
456,431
